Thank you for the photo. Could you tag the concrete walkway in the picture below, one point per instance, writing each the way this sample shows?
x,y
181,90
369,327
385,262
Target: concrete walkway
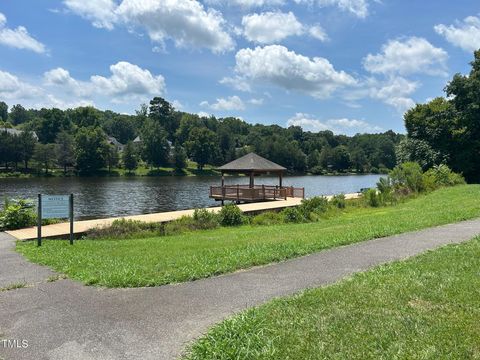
x,y
66,320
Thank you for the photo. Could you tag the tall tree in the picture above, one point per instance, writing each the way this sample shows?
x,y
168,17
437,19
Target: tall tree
x,y
91,149
155,147
44,156
112,157
179,157
6,148
3,111
49,123
65,150
18,115
202,144
163,112
27,144
85,116
129,157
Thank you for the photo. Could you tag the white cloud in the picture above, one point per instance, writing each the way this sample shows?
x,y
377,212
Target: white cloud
x,y
270,27
61,77
318,33
128,80
394,91
257,102
237,82
247,3
15,91
18,38
410,56
186,22
276,65
338,126
127,83
11,88
465,35
222,104
356,7
100,12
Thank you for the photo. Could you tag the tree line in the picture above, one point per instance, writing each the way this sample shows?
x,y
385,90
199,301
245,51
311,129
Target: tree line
x,y
159,136
447,130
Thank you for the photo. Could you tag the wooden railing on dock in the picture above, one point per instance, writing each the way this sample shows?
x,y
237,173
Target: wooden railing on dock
x,y
257,193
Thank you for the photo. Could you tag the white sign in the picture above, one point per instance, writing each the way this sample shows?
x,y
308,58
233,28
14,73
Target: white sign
x,y
55,206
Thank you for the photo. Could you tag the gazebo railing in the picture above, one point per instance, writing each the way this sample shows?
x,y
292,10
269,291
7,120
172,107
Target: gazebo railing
x,y
256,193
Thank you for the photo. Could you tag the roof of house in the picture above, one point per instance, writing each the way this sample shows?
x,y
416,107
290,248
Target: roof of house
x,y
251,162
17,132
112,140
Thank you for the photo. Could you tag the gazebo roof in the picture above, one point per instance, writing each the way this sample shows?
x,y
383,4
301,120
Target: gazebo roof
x,y
251,162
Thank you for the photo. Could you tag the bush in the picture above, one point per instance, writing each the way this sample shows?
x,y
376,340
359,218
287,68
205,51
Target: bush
x,y
339,201
385,190
408,175
181,225
317,205
268,218
442,175
231,215
293,215
205,219
372,198
125,229
18,214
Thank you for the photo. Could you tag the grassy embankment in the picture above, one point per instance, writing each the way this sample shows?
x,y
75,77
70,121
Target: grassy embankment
x,y
190,256
427,307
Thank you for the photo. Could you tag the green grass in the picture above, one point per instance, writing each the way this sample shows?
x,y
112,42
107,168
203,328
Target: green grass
x,y
427,307
169,259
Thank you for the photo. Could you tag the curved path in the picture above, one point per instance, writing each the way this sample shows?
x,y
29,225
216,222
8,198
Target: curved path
x,y
66,320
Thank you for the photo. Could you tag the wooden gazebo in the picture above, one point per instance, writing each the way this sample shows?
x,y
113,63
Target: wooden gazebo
x,y
253,165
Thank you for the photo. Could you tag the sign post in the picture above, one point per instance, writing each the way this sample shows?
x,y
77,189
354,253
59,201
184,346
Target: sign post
x,y
54,207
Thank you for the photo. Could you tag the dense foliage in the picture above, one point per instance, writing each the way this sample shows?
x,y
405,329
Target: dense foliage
x,y
447,131
88,140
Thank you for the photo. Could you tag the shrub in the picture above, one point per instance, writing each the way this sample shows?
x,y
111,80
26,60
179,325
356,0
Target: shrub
x,y
17,214
408,175
268,218
205,219
339,201
385,190
231,215
125,229
181,225
316,205
372,198
442,175
293,215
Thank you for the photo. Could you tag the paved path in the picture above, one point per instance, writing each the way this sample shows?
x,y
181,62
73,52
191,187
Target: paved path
x,y
66,320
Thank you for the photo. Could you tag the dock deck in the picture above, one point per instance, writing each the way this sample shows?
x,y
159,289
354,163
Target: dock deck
x,y
82,226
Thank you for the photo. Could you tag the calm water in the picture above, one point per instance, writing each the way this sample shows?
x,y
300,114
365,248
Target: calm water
x,y
106,197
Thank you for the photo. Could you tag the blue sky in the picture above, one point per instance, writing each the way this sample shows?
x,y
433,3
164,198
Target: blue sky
x,y
345,65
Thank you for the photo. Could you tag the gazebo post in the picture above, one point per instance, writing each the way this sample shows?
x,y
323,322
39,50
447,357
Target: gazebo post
x,y
223,179
252,180
280,179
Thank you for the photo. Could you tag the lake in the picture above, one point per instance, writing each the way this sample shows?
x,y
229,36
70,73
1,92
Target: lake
x,y
97,197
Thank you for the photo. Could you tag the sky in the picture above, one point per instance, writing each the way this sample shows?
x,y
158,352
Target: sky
x,y
343,65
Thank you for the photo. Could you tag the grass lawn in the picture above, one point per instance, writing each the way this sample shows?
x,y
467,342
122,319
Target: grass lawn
x,y
163,260
427,307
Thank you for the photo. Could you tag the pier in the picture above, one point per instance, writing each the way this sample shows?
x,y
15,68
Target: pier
x,y
82,226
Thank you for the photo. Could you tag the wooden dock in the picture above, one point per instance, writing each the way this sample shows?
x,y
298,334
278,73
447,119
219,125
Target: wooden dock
x,y
82,226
